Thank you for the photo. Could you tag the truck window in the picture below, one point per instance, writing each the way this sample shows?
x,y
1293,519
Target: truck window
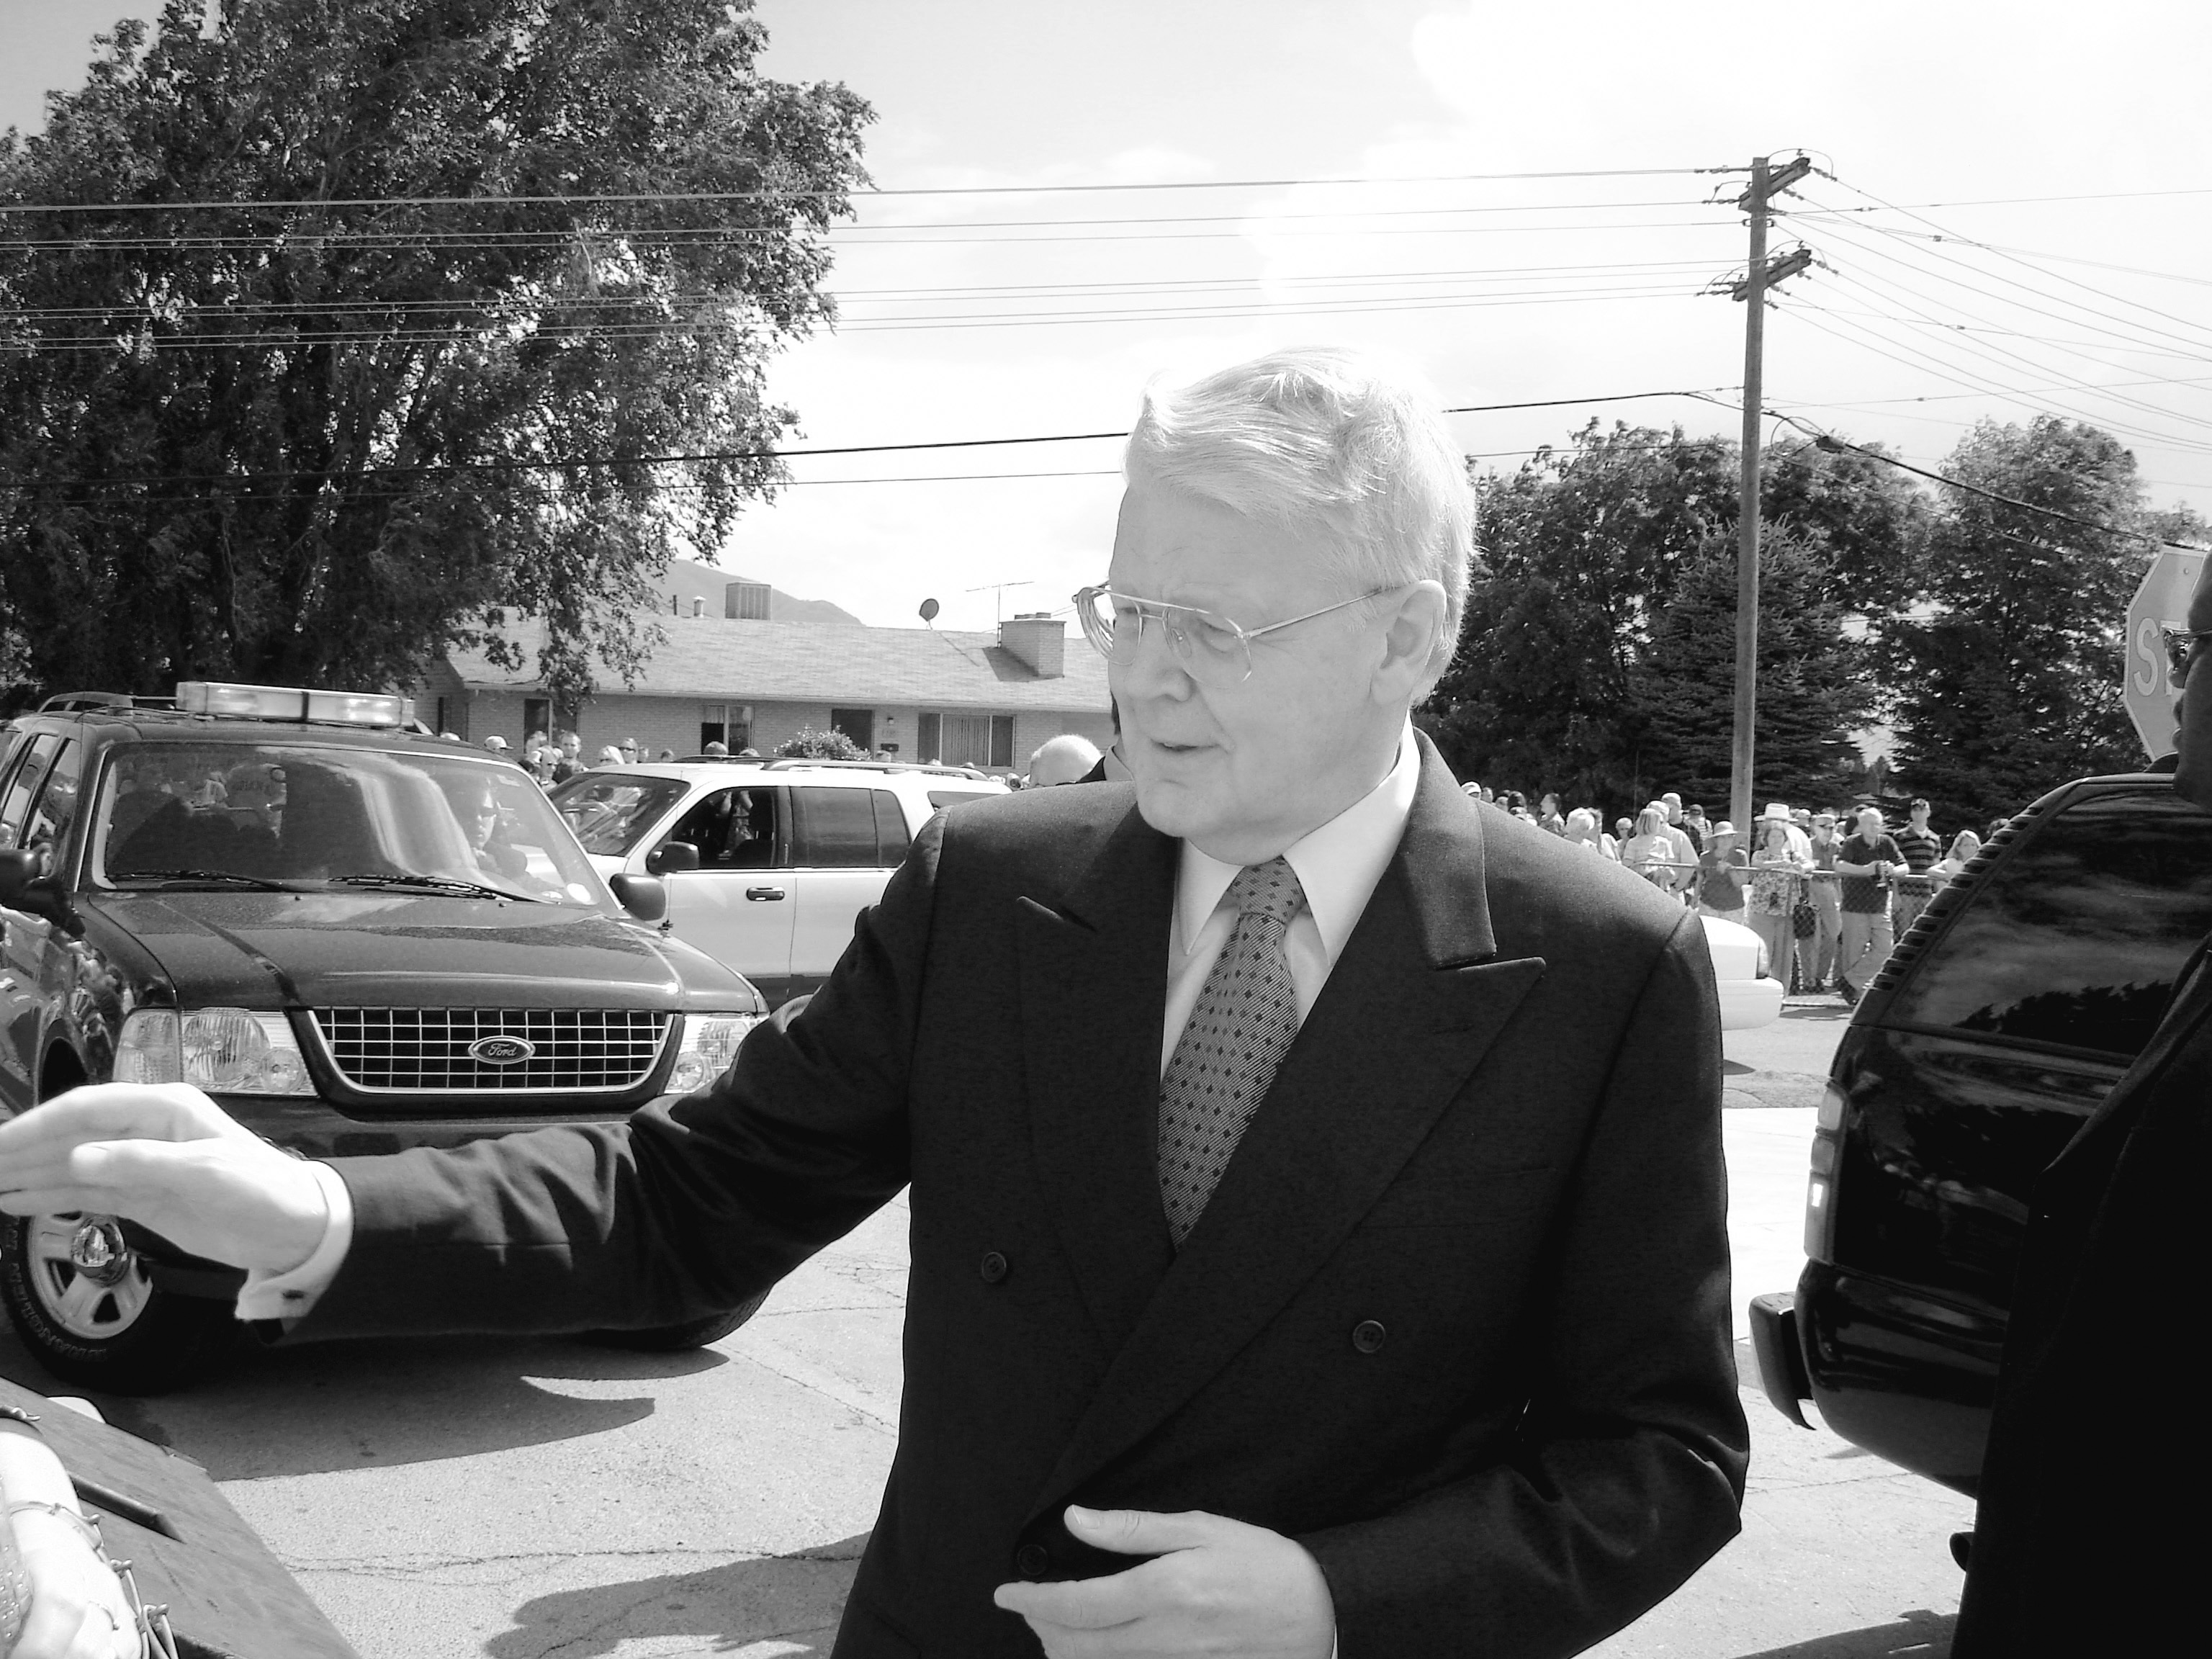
x,y
2076,939
733,828
55,809
15,799
892,836
834,828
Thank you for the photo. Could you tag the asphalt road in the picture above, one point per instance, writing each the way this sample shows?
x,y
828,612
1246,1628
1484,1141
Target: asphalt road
x,y
455,1499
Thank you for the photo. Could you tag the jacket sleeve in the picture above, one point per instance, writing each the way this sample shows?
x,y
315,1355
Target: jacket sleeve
x,y
689,1207
1629,1469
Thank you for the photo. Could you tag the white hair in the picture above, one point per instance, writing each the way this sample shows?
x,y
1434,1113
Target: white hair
x,y
1321,435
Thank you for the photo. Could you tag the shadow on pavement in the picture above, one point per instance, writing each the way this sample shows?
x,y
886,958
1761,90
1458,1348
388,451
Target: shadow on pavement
x,y
793,1600
330,1405
1919,1634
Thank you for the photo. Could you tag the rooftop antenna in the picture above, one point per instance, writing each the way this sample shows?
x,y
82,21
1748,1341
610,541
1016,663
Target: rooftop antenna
x,y
999,589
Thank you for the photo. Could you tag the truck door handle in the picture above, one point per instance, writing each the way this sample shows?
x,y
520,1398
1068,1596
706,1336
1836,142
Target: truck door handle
x,y
763,895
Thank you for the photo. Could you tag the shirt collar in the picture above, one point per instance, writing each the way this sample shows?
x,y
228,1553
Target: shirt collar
x,y
1337,864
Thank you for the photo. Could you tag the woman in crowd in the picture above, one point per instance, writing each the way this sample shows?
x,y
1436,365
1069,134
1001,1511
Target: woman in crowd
x,y
1651,854
1963,846
1721,869
1581,827
1778,869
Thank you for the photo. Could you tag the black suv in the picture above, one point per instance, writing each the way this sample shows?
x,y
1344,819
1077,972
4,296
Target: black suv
x,y
1999,1024
357,939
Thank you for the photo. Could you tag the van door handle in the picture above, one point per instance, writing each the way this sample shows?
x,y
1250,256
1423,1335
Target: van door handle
x,y
763,895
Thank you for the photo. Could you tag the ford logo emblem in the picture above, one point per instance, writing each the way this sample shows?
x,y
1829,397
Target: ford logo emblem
x,y
501,1050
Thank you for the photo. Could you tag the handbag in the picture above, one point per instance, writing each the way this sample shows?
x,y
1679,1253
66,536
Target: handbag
x,y
1804,920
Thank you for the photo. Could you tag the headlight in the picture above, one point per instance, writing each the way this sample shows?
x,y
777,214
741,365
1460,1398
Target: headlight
x,y
230,1051
710,1043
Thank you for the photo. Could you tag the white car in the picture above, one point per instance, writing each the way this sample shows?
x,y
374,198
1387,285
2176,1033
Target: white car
x,y
1748,997
767,863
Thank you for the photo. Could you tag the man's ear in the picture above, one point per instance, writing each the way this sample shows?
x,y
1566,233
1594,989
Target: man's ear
x,y
1411,637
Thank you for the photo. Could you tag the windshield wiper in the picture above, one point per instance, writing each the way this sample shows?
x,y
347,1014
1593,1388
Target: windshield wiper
x,y
438,884
228,877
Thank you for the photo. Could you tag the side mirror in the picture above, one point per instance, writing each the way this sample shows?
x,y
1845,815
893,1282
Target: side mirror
x,y
670,857
643,896
24,887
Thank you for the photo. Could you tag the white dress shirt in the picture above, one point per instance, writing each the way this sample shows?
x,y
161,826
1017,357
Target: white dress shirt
x,y
1337,864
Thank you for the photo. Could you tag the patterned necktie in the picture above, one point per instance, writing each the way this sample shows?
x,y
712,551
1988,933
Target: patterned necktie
x,y
1240,1028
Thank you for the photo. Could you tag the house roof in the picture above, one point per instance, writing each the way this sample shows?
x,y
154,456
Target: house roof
x,y
711,657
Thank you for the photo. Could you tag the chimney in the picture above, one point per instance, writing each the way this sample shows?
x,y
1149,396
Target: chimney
x,y
698,607
745,601
1039,639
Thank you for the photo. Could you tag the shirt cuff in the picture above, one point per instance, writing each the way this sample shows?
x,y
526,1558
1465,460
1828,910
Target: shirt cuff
x,y
290,1294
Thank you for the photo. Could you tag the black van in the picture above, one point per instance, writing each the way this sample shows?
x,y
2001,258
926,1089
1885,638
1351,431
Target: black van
x,y
2001,1020
355,939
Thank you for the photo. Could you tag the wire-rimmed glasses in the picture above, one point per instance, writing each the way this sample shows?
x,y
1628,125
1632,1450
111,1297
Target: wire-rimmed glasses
x,y
2180,647
1213,650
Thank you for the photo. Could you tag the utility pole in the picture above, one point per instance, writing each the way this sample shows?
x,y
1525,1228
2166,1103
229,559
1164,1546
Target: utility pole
x,y
1757,278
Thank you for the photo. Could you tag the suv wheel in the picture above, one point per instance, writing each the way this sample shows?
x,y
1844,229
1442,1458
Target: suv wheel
x,y
81,1299
687,1334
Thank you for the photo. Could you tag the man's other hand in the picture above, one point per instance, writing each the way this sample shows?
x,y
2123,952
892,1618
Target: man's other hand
x,y
165,1156
1215,1586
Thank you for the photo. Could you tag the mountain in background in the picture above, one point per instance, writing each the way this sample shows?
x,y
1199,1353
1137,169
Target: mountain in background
x,y
688,579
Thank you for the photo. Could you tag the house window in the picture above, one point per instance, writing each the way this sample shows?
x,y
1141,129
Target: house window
x,y
858,724
973,740
730,724
536,716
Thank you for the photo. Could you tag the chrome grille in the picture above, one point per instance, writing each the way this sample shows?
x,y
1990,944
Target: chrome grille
x,y
426,1051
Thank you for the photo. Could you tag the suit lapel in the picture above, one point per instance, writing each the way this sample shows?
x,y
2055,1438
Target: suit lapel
x,y
1093,988
1414,1003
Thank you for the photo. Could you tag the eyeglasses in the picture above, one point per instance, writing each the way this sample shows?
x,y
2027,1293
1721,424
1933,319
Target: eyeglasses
x,y
2181,646
1215,652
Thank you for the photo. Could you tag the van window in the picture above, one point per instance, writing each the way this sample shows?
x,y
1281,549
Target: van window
x,y
892,836
2077,938
834,828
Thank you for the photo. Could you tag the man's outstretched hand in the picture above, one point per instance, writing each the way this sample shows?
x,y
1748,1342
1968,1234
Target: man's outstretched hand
x,y
165,1156
1215,1586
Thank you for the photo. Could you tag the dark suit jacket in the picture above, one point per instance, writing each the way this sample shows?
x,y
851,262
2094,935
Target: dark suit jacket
x,y
1456,1317
2090,1532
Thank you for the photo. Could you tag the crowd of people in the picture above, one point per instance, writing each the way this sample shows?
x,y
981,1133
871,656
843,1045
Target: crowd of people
x,y
1828,892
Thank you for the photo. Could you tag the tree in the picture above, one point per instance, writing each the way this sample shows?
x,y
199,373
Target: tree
x,y
1814,687
2010,685
323,438
1575,671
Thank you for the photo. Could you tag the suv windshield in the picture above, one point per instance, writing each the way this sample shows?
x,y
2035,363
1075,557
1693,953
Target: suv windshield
x,y
610,811
2078,937
292,815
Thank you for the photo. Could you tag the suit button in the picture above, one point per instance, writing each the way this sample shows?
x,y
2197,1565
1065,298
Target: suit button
x,y
993,1267
1032,1560
1367,1336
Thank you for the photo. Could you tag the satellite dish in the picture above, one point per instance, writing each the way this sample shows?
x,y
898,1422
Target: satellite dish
x,y
929,610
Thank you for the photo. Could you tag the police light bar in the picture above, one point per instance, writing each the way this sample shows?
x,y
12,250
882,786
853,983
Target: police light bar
x,y
284,703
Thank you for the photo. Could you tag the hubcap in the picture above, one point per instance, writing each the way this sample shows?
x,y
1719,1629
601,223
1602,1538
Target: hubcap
x,y
88,1280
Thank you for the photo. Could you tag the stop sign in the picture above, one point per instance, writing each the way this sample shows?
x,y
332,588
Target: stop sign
x,y
2149,690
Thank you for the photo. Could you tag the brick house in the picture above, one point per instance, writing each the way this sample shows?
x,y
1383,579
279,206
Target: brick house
x,y
979,699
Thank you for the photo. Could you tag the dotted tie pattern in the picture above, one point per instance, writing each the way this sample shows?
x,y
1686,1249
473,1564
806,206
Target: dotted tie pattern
x,y
1242,1026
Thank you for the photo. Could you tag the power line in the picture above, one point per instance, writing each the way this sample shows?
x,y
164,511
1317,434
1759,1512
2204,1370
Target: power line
x,y
663,196
699,456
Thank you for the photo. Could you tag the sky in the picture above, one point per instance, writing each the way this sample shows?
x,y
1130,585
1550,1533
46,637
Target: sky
x,y
2011,215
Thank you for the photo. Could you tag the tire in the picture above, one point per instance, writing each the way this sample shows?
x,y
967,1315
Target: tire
x,y
686,1333
80,1300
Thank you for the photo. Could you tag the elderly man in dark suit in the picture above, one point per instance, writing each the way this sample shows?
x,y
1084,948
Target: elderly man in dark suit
x,y
1318,1236
2088,1537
